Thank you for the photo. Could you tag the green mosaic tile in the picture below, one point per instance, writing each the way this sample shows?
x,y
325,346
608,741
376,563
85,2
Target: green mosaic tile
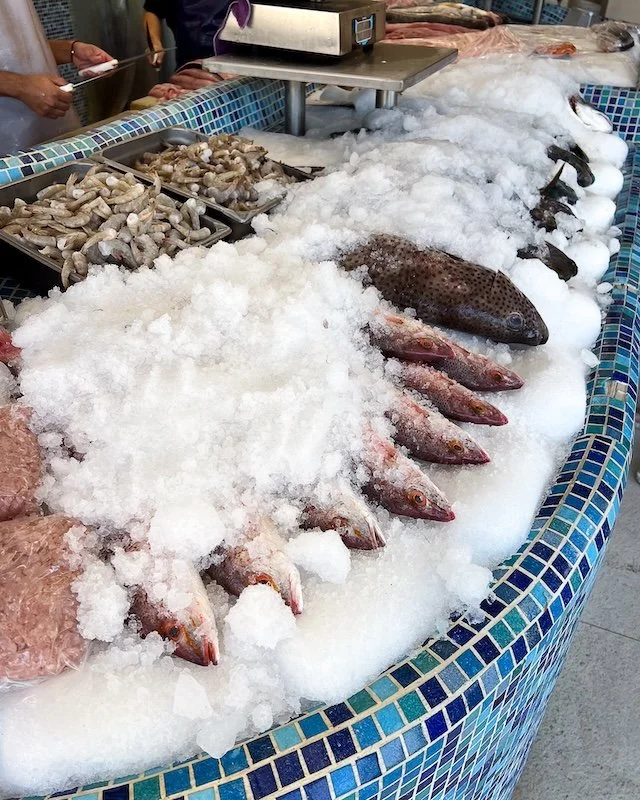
x,y
384,687
575,580
287,737
411,706
361,701
501,634
147,790
515,621
425,662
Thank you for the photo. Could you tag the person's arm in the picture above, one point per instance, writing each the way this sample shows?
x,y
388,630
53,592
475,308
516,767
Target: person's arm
x,y
153,12
41,93
61,49
80,54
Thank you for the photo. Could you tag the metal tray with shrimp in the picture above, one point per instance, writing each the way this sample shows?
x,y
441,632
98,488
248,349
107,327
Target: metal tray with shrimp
x,y
126,155
36,270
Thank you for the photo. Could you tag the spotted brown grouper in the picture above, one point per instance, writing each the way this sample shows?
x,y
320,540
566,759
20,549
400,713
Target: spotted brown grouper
x,y
447,290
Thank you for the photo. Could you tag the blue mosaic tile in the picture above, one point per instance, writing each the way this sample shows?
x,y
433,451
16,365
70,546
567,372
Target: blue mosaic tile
x,y
366,732
233,790
368,768
177,781
262,781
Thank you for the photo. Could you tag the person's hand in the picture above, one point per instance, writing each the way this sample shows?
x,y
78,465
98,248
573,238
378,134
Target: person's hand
x,y
42,93
88,55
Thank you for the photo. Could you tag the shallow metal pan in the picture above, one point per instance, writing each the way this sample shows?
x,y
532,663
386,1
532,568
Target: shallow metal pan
x,y
124,156
22,261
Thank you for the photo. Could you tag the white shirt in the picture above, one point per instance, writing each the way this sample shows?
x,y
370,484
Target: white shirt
x,y
24,49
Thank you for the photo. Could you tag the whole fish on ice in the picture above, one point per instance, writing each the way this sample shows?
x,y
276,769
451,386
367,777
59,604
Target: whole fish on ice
x,y
478,372
259,557
193,631
449,397
447,290
585,175
410,339
349,516
589,115
546,211
557,189
400,486
552,257
407,338
430,436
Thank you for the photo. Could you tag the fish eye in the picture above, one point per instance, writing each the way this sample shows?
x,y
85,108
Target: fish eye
x,y
497,377
455,446
515,321
265,580
172,632
477,408
417,497
427,344
340,522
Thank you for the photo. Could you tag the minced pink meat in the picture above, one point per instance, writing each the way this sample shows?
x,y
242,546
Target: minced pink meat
x,y
20,463
38,626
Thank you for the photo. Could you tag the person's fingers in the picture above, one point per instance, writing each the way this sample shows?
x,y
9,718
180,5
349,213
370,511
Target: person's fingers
x,y
61,107
58,80
63,99
53,113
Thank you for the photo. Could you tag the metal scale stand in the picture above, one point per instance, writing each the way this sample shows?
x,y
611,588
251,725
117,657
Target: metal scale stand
x,y
331,42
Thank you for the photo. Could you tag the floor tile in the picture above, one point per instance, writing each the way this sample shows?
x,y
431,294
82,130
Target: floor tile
x,y
614,604
588,744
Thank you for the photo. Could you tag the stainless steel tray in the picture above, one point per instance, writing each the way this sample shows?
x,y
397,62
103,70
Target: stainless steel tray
x,y
124,156
39,273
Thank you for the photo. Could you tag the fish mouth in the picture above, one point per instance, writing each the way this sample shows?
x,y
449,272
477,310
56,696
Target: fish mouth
x,y
370,534
434,512
477,456
511,381
211,652
201,653
445,515
296,602
439,513
496,418
489,416
536,336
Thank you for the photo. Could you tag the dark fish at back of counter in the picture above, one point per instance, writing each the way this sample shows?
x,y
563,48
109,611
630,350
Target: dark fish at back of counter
x,y
447,290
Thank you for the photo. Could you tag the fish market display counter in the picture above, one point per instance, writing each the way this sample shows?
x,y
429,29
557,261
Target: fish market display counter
x,y
456,717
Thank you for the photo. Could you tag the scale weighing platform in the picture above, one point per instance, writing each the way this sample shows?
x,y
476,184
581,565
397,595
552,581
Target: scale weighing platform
x,y
330,42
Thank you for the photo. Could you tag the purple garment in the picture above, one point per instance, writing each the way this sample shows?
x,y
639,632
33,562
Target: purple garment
x,y
196,24
241,10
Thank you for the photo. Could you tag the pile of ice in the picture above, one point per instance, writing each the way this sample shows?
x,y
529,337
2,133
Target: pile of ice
x,y
239,378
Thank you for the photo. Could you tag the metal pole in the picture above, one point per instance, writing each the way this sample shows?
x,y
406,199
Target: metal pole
x,y
294,107
537,12
487,5
386,98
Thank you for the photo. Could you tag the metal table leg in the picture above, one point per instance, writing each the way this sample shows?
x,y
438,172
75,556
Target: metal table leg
x,y
386,98
294,107
537,11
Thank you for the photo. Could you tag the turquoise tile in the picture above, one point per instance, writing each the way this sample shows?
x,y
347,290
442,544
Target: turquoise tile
x,y
384,688
286,737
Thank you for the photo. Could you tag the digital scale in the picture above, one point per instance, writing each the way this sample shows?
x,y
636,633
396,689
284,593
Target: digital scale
x,y
331,42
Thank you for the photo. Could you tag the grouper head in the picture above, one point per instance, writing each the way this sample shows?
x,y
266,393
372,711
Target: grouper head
x,y
511,316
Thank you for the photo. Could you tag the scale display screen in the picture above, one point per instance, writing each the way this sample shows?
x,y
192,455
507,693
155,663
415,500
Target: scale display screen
x,y
363,30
